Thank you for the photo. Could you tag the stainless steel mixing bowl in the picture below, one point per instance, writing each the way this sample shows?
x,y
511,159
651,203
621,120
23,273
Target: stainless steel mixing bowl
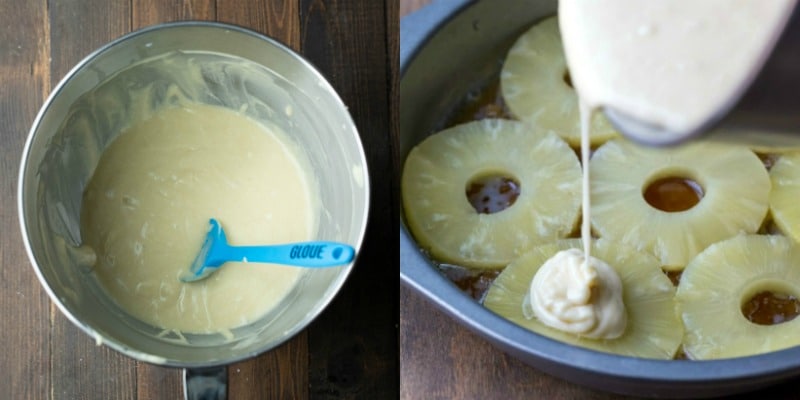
x,y
88,109
447,50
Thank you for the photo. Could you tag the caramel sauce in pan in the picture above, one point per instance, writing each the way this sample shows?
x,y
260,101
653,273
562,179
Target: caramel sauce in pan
x,y
673,194
681,355
492,194
768,159
568,78
482,104
674,276
473,283
769,228
769,308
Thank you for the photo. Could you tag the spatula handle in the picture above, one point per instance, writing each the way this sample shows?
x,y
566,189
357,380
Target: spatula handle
x,y
301,254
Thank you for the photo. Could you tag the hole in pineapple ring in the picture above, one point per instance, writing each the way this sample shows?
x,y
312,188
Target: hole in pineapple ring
x,y
492,193
673,193
771,307
568,78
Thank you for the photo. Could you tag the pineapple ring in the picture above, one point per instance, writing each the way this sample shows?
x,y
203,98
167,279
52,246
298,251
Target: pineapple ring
x,y
719,280
438,170
736,197
653,329
785,177
533,84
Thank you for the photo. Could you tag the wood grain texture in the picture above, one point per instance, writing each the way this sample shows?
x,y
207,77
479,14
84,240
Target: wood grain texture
x,y
25,363
407,6
150,12
47,357
281,373
393,77
347,41
154,382
278,19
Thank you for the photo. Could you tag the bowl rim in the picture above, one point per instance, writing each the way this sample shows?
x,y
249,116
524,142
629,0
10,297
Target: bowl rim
x,y
636,375
336,284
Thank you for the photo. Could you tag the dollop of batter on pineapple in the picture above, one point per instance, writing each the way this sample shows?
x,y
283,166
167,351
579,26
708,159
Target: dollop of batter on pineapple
x,y
653,329
576,295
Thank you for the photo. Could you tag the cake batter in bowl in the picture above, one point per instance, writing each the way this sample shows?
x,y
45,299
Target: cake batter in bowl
x,y
95,221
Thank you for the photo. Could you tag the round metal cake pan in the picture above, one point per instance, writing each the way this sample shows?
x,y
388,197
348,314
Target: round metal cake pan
x,y
446,50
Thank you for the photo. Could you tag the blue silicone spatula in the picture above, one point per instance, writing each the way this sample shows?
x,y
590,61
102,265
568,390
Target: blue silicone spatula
x,y
216,251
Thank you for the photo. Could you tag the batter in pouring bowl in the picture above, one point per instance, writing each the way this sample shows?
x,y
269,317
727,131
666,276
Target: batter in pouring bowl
x,y
146,208
669,64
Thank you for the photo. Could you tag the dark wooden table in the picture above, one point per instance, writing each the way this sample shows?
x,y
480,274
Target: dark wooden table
x,y
350,351
440,359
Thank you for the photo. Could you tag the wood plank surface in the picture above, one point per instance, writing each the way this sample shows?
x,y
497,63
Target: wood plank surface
x,y
278,19
334,40
350,351
440,359
24,83
149,12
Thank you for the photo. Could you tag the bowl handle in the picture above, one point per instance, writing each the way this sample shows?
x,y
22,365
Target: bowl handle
x,y
205,383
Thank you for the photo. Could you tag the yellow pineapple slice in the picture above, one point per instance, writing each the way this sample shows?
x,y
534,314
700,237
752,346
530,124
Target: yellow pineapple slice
x,y
535,85
716,284
439,169
653,330
776,149
785,176
734,191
